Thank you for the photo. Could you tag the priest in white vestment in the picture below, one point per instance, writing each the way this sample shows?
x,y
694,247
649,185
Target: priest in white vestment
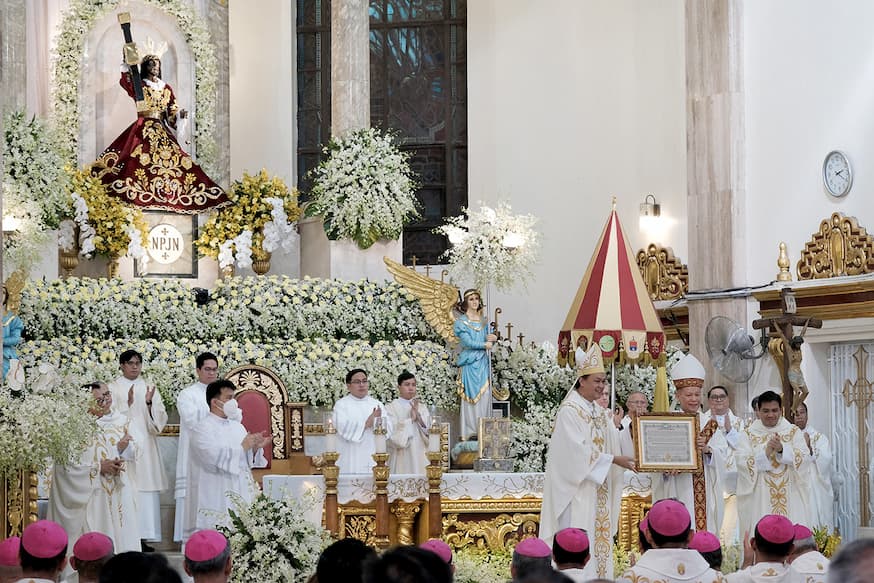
x,y
669,529
222,455
355,416
729,425
96,493
192,406
765,559
805,557
139,401
818,470
688,377
410,422
583,484
771,454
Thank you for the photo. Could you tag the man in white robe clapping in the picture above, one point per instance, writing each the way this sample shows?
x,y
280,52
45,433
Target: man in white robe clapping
x,y
410,422
355,416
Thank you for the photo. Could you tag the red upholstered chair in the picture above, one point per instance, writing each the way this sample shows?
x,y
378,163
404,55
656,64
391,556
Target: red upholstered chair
x,y
256,416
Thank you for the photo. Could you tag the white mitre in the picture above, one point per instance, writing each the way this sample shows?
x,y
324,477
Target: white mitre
x,y
688,372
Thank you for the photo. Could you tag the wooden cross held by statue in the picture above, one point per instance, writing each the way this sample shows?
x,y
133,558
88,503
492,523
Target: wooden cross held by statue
x,y
861,395
782,331
132,60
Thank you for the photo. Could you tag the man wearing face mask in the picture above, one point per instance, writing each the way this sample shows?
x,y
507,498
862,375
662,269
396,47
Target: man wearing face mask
x,y
222,455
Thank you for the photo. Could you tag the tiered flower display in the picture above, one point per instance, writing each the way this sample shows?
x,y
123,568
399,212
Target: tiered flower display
x,y
260,221
364,188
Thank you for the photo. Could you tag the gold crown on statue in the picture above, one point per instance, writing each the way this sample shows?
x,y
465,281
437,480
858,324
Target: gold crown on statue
x,y
593,362
150,48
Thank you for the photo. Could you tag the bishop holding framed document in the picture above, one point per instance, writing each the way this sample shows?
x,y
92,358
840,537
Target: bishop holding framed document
x,y
667,442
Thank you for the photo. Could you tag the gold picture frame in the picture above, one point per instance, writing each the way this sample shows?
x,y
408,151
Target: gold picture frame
x,y
667,442
494,437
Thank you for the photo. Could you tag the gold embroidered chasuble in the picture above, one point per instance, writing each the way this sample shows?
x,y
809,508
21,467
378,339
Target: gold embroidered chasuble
x,y
583,487
771,484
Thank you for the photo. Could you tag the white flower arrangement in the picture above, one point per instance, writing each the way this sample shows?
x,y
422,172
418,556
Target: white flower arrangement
x,y
475,565
86,230
77,22
37,428
364,188
312,370
34,188
492,246
279,232
631,378
271,540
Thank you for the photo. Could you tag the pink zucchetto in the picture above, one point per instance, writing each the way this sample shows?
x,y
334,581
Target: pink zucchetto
x,y
704,542
534,548
439,548
573,540
205,545
669,518
776,529
92,546
644,524
802,532
44,539
9,552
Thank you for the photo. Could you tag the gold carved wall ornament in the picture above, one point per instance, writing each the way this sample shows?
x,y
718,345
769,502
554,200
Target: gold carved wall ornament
x,y
495,534
251,377
840,247
665,276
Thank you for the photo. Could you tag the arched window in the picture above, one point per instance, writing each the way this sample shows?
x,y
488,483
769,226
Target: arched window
x,y
418,87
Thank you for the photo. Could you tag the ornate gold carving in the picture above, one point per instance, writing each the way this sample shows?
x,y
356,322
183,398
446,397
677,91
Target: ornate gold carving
x,y
295,427
444,445
495,534
406,513
631,512
251,377
18,498
170,430
840,247
665,276
491,505
783,264
360,525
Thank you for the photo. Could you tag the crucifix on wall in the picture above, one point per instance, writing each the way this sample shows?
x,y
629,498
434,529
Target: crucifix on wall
x,y
785,347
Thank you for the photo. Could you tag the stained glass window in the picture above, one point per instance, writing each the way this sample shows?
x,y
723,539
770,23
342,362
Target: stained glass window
x,y
418,88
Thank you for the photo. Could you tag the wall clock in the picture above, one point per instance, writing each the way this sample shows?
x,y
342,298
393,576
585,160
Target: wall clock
x,y
837,174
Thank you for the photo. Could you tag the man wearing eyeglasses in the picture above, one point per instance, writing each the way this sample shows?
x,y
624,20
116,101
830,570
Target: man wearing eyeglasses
x,y
95,492
192,406
729,425
356,416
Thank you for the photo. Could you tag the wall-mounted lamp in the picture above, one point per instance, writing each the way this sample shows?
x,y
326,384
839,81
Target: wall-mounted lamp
x,y
649,213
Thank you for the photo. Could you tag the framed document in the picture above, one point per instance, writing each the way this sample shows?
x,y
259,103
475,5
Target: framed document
x,y
665,442
170,246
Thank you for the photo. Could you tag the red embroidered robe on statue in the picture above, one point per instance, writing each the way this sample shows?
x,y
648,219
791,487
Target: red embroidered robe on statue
x,y
145,165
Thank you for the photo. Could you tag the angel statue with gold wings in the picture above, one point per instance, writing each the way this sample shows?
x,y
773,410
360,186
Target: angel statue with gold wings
x,y
463,324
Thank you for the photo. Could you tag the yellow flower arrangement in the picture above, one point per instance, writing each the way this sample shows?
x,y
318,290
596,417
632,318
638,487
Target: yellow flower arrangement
x,y
250,210
108,217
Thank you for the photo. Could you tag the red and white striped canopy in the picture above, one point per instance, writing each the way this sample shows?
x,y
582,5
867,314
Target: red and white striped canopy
x,y
612,306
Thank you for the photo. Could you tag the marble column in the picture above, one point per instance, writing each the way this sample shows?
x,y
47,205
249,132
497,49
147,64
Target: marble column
x,y
217,20
350,65
715,149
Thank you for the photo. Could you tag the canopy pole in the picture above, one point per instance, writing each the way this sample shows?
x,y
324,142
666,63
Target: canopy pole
x,y
613,385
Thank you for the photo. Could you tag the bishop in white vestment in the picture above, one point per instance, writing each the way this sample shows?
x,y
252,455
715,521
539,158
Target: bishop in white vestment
x,y
96,493
410,422
355,416
818,473
708,502
222,455
140,402
192,407
770,546
771,453
811,564
583,486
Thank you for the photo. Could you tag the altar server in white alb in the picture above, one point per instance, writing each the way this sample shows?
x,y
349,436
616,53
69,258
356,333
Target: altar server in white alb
x,y
771,454
132,396
583,486
355,416
669,530
410,422
222,455
96,492
819,472
192,406
729,425
700,492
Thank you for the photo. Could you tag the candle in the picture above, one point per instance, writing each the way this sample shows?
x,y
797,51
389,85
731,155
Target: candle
x,y
330,435
379,441
434,442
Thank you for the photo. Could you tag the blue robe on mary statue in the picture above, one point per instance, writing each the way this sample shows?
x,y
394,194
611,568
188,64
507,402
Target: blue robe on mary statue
x,y
476,400
12,328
